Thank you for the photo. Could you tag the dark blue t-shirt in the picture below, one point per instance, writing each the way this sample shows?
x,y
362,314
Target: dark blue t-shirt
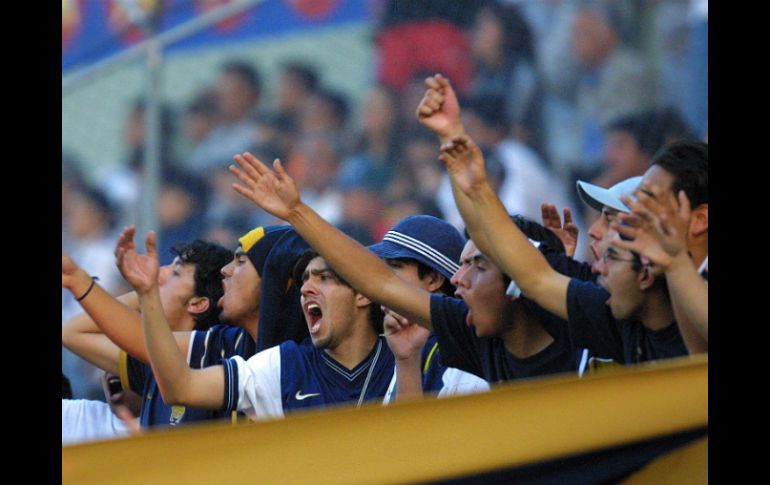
x,y
592,325
487,357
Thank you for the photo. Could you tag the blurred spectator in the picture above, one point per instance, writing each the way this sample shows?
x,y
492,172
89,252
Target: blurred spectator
x,y
429,35
226,231
614,80
632,140
122,184
274,134
408,100
376,148
696,109
418,172
523,183
199,119
181,201
237,93
504,70
593,73
71,181
361,213
680,40
313,164
324,111
296,82
90,222
225,205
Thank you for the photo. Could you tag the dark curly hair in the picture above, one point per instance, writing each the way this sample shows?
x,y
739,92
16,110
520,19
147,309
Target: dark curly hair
x,y
208,259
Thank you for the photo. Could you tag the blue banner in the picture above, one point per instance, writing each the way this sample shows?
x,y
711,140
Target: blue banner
x,y
96,29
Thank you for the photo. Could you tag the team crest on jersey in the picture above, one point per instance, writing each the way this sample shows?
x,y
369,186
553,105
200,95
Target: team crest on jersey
x,y
177,412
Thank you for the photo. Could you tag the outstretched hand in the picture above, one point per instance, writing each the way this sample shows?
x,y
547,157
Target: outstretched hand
x,y
439,110
657,224
568,233
464,162
140,270
272,190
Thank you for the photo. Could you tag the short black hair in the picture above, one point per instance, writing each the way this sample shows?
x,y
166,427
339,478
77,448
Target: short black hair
x,y
423,270
376,316
208,259
688,162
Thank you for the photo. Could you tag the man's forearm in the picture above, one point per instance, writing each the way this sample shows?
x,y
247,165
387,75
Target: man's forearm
x,y
689,297
108,323
512,251
168,363
408,378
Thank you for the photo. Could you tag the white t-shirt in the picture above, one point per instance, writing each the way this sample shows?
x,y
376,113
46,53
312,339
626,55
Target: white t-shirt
x,y
455,382
83,420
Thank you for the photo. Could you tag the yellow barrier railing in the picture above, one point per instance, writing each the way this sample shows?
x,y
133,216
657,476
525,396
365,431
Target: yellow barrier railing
x,y
512,425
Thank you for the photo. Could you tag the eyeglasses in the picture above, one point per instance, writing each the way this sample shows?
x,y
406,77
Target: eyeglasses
x,y
611,255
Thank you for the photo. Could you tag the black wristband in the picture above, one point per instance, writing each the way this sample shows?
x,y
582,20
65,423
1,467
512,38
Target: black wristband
x,y
94,279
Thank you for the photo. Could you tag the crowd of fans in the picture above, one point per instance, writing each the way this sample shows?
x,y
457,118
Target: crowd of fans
x,y
535,96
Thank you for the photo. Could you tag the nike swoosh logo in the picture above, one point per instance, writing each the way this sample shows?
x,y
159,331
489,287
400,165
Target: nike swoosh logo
x,y
299,396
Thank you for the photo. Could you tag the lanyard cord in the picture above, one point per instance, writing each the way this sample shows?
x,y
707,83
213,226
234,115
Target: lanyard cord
x,y
369,374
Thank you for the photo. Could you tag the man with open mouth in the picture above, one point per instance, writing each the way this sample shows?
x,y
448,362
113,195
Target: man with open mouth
x,y
234,283
344,360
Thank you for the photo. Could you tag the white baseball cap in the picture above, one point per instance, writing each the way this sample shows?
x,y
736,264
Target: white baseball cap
x,y
599,197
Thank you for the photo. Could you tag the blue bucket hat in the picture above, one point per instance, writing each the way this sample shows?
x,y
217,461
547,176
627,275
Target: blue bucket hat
x,y
427,239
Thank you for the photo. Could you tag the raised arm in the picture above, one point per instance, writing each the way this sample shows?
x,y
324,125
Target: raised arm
x,y
275,192
108,324
657,227
439,111
178,383
504,243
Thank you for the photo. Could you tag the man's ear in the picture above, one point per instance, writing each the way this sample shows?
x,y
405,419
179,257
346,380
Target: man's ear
x,y
362,301
198,304
699,220
435,281
648,276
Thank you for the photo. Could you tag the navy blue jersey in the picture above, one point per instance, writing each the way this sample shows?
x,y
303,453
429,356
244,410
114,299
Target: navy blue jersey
x,y
218,343
487,357
294,376
431,366
592,325
206,349
138,376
